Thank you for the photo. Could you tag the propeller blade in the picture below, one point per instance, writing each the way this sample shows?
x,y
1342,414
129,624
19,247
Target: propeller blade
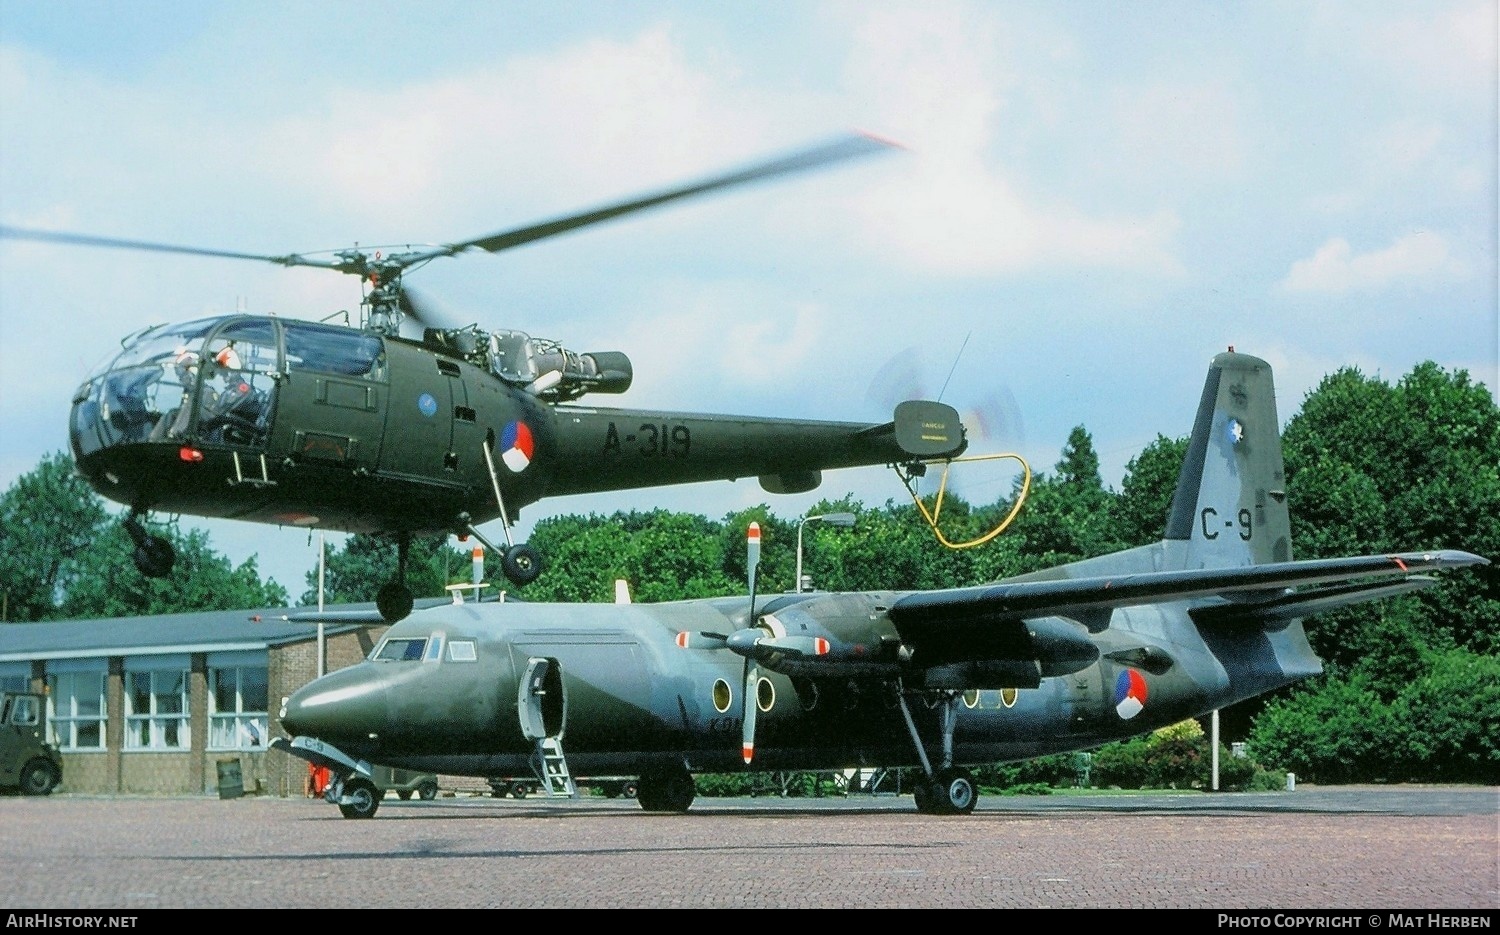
x,y
89,240
752,681
848,147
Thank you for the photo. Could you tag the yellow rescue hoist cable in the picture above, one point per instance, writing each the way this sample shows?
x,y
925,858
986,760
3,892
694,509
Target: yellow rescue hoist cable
x,y
937,509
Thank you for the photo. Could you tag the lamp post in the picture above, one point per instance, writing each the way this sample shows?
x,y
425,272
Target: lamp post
x,y
845,520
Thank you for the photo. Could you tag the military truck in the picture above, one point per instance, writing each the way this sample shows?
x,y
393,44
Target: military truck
x,y
27,761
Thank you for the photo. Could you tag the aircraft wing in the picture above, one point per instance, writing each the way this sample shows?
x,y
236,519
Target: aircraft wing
x,y
1322,584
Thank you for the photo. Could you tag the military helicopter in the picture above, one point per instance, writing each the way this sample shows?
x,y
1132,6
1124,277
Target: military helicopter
x,y
360,428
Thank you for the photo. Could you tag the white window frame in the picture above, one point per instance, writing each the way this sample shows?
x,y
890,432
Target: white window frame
x,y
159,727
238,727
64,719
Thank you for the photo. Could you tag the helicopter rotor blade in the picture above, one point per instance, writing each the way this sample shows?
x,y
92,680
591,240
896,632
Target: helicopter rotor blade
x,y
422,310
89,240
848,147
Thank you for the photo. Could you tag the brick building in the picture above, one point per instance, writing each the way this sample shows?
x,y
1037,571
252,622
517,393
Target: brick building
x,y
156,704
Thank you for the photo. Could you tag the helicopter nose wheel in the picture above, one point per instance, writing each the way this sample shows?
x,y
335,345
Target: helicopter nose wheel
x,y
521,564
153,555
394,601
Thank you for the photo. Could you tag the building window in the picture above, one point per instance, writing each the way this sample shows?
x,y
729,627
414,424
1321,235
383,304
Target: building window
x,y
156,710
77,710
237,701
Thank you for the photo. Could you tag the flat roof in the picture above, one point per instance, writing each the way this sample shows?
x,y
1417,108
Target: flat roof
x,y
195,631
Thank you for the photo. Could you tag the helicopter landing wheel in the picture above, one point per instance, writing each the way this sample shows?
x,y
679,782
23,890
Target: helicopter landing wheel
x,y
394,601
521,564
154,557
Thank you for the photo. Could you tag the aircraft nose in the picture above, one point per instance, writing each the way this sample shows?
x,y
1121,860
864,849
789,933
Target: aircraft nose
x,y
347,704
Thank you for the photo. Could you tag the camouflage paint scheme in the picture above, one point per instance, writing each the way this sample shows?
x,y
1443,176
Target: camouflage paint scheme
x,y
1064,659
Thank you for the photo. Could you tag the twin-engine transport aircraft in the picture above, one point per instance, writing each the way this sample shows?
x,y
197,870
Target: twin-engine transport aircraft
x,y
1063,659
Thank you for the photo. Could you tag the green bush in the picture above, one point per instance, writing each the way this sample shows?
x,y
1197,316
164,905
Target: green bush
x,y
1123,764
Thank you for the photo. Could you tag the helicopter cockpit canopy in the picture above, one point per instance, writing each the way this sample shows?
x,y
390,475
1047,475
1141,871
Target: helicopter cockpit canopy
x,y
210,381
540,366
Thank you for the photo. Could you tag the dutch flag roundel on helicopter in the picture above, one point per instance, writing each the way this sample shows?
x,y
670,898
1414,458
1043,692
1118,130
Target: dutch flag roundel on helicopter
x,y
516,446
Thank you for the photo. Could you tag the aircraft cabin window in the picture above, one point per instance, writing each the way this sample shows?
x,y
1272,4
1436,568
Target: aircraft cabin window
x,y
462,651
402,650
334,349
434,648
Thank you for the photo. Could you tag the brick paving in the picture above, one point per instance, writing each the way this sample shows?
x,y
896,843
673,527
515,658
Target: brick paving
x,y
1358,849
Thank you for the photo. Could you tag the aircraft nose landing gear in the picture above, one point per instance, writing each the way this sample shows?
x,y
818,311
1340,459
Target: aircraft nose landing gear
x,y
153,555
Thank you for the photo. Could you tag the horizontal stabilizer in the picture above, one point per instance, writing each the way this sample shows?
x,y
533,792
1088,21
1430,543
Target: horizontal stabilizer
x,y
1299,604
1073,597
924,429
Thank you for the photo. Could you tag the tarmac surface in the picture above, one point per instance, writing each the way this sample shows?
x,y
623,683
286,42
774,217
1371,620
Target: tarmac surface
x,y
1348,848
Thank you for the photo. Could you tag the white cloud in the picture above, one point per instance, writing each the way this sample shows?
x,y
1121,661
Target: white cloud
x,y
1186,132
939,77
1450,50
1335,268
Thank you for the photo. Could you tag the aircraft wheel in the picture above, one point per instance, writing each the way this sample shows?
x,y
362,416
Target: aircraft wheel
x,y
394,601
363,798
521,564
39,777
670,790
154,557
428,790
954,792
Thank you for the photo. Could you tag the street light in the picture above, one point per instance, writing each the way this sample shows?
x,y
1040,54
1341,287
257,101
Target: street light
x,y
845,520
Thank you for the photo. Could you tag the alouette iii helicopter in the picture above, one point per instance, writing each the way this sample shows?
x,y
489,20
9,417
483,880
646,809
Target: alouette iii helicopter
x,y
360,429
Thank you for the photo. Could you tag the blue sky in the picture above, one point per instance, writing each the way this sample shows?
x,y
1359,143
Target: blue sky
x,y
1094,199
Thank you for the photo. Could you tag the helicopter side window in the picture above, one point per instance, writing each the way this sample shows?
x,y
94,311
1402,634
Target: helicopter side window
x,y
401,649
332,349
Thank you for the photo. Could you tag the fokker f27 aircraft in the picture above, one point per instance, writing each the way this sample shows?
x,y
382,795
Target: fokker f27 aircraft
x,y
1063,659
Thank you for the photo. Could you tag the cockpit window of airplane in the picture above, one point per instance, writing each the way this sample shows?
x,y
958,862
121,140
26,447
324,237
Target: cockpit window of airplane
x,y
462,651
401,650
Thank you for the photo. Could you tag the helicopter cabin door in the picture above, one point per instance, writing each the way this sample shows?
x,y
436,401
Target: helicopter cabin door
x,y
237,385
427,396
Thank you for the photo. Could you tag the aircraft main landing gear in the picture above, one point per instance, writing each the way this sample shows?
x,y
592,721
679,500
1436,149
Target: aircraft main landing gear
x,y
668,789
949,789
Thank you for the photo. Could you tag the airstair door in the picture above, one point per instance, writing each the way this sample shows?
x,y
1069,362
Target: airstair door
x,y
542,704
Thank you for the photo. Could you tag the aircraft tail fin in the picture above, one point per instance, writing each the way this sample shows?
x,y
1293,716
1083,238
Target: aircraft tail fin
x,y
1230,508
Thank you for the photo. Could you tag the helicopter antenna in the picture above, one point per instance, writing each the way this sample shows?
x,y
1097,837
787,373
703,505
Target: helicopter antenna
x,y
956,358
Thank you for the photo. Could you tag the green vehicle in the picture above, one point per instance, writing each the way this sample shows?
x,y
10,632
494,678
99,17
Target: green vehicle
x,y
405,783
27,761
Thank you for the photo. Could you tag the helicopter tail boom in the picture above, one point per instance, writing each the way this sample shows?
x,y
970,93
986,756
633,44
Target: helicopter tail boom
x,y
617,449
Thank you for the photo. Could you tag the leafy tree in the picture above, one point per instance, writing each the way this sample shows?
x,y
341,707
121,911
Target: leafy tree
x,y
356,573
63,555
1140,511
1067,516
107,583
49,518
1374,468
